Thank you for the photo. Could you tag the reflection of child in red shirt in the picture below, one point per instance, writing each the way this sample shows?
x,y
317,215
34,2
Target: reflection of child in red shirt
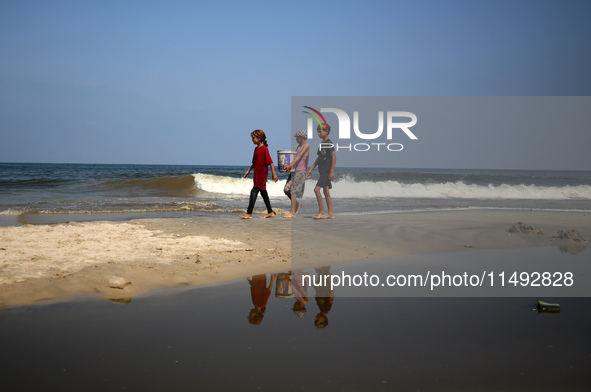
x,y
260,294
260,162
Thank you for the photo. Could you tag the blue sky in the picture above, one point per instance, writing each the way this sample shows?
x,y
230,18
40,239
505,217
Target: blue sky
x,y
185,82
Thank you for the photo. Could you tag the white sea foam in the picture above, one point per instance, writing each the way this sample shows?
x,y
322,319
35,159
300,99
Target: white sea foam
x,y
234,186
457,190
11,211
347,188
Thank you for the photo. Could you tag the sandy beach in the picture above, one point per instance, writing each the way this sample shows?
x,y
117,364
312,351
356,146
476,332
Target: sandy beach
x,y
119,260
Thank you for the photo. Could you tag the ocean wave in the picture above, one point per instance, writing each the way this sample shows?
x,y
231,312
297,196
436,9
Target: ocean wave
x,y
234,186
169,185
346,187
12,212
457,190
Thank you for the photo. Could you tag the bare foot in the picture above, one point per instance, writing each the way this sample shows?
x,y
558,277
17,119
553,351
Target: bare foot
x,y
269,215
320,215
299,206
289,215
329,216
246,216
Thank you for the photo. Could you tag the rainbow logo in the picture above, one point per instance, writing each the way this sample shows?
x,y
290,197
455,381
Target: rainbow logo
x,y
325,126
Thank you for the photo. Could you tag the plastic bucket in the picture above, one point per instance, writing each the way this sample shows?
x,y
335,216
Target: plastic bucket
x,y
283,287
284,158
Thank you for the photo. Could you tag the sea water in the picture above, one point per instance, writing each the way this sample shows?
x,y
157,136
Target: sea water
x,y
46,193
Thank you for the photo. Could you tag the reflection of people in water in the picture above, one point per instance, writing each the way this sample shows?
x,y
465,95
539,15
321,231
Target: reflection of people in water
x,y
260,294
324,296
300,291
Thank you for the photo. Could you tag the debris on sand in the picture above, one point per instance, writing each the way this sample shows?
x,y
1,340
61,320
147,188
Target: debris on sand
x,y
545,307
117,282
521,227
569,235
572,249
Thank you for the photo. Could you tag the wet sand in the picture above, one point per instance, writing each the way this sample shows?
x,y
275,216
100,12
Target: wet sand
x,y
200,339
119,260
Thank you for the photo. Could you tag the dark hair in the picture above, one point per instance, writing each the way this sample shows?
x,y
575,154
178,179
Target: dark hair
x,y
255,316
321,320
260,135
323,127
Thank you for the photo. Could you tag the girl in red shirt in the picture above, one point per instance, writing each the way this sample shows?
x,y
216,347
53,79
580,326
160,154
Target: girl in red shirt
x,y
260,162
